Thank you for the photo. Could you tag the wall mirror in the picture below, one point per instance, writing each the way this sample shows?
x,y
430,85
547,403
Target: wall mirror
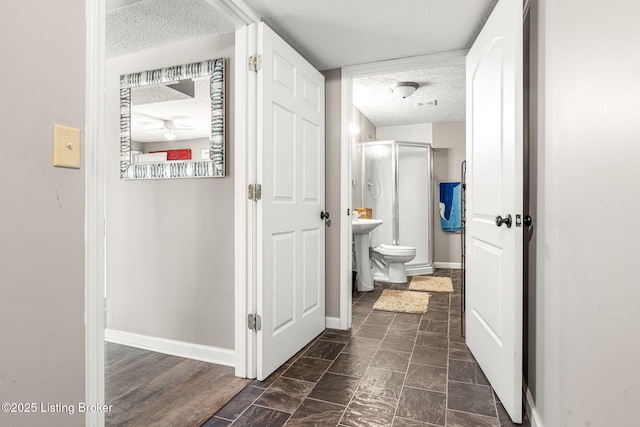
x,y
172,122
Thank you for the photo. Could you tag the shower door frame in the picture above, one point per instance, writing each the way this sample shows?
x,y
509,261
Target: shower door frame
x,y
418,268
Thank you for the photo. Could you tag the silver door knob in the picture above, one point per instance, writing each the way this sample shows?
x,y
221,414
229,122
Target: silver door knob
x,y
507,220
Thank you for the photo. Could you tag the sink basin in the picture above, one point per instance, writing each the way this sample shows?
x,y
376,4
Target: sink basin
x,y
364,226
361,228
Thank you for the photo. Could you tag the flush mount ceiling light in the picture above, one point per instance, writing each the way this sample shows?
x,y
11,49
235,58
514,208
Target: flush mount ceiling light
x,y
404,89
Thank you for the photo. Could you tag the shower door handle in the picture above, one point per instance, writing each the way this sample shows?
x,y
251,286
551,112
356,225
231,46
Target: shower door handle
x,y
500,221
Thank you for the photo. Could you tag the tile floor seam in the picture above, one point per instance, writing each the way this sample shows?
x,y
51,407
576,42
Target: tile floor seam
x,y
495,404
361,378
477,415
467,382
355,392
322,401
406,374
250,404
446,389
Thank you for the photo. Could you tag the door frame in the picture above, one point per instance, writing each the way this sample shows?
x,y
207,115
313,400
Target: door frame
x,y
95,203
95,198
245,211
436,60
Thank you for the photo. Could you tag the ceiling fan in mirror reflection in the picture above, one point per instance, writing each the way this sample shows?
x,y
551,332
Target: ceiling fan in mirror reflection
x,y
168,128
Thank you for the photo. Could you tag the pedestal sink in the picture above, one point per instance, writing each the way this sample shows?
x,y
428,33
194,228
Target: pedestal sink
x,y
361,229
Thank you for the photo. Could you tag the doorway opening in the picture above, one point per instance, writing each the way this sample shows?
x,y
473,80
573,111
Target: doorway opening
x,y
354,120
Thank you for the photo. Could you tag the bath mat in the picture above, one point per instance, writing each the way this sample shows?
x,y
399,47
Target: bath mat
x,y
402,301
431,284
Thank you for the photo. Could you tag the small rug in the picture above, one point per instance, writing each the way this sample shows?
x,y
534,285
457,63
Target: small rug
x,y
402,301
431,284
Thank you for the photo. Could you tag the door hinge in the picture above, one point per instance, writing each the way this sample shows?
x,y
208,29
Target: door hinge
x,y
255,63
254,192
254,322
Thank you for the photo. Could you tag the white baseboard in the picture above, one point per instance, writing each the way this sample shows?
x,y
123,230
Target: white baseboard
x,y
453,265
530,405
332,323
204,353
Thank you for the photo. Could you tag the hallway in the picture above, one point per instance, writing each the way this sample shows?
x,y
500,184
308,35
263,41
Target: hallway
x,y
391,369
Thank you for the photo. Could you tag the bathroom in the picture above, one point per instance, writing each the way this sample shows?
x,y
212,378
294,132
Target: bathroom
x,y
425,129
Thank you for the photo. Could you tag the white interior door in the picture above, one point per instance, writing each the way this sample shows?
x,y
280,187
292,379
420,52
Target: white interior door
x,y
291,234
494,188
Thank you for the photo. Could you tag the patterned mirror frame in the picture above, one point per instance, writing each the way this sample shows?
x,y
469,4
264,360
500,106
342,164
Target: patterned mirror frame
x,y
212,168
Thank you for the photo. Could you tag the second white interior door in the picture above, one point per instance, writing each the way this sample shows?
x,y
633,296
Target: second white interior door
x,y
291,234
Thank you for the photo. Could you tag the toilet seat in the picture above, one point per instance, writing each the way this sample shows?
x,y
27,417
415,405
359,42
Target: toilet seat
x,y
385,249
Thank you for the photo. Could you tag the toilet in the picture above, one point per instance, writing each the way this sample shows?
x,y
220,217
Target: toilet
x,y
388,262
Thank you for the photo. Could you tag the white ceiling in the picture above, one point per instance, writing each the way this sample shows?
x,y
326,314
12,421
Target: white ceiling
x,y
330,34
134,25
336,33
373,97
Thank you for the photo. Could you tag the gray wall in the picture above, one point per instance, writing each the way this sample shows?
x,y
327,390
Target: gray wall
x,y
448,153
333,101
583,364
170,264
41,211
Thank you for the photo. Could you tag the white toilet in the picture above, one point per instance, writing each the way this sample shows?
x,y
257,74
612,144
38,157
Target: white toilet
x,y
388,262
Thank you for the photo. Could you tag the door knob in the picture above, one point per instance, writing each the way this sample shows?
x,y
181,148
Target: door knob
x,y
527,220
324,215
500,221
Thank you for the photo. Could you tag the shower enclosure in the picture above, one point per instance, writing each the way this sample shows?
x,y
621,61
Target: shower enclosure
x,y
398,186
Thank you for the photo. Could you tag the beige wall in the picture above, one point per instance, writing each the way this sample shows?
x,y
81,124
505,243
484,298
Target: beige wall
x,y
333,175
170,263
448,154
41,211
583,347
421,132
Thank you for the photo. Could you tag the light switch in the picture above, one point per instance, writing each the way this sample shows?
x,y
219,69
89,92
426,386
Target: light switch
x,y
66,147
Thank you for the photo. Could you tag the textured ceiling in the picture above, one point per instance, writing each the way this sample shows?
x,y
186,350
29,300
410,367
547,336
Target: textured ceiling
x,y
137,26
335,33
331,34
372,96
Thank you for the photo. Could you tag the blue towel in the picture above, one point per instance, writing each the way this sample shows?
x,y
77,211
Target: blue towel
x,y
450,206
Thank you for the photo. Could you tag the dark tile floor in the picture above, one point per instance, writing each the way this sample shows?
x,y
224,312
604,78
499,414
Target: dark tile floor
x,y
390,369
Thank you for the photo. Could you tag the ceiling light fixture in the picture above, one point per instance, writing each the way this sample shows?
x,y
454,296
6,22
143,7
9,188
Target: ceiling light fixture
x,y
170,135
404,89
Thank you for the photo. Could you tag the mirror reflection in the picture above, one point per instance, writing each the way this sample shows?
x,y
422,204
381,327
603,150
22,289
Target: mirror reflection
x,y
172,122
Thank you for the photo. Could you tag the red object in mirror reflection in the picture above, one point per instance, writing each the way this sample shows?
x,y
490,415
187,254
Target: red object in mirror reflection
x,y
182,154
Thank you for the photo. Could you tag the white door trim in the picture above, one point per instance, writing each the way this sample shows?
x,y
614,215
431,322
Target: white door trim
x,y
94,230
346,238
236,10
436,60
245,210
95,202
